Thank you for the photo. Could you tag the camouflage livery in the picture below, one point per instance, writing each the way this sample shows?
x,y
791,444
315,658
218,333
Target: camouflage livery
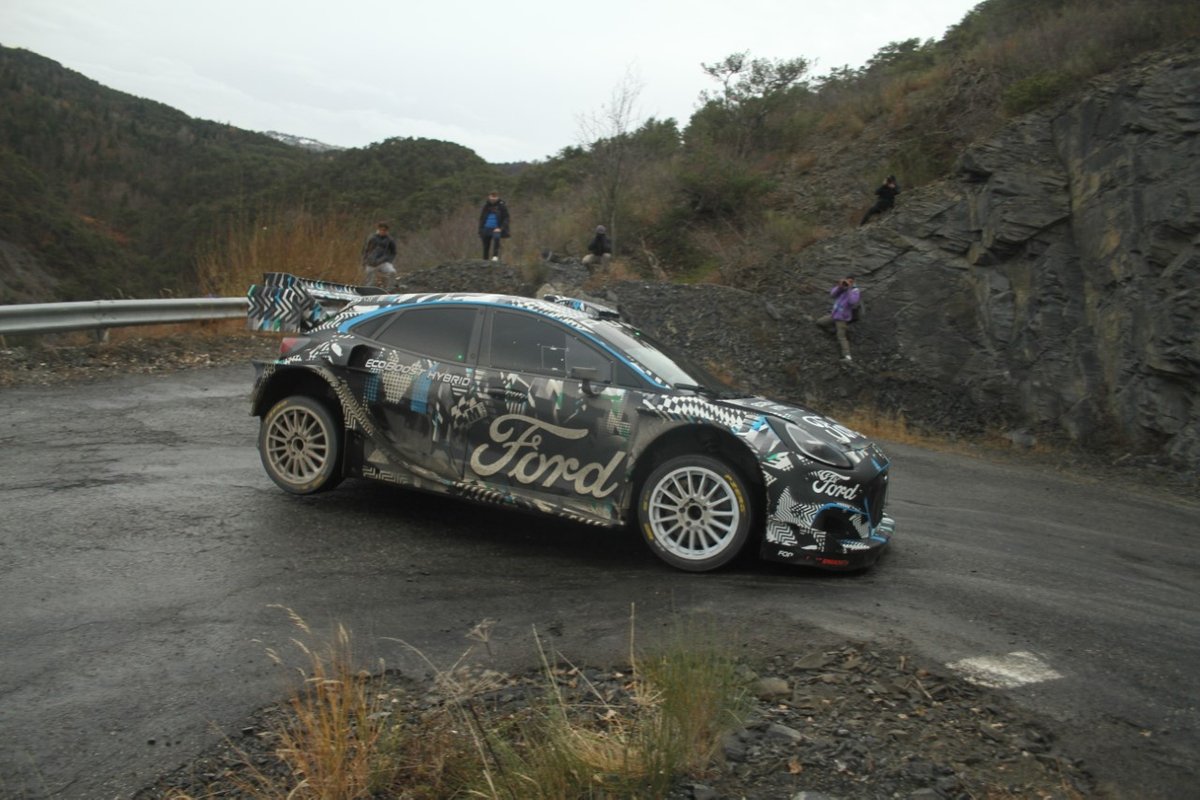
x,y
576,443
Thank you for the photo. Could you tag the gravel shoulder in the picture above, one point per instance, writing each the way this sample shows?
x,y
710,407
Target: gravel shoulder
x,y
72,358
838,721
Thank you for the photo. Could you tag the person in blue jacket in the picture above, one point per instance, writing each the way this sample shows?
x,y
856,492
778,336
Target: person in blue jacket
x,y
845,297
493,225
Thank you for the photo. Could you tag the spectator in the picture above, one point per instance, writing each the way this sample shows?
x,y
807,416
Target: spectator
x,y
379,256
886,198
493,225
599,249
845,298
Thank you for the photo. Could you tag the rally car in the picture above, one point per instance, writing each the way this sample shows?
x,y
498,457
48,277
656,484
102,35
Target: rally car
x,y
555,406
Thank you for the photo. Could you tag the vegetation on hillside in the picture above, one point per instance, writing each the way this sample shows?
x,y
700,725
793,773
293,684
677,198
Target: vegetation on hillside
x,y
116,195
775,158
119,195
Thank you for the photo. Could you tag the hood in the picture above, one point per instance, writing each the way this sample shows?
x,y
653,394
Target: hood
x,y
817,424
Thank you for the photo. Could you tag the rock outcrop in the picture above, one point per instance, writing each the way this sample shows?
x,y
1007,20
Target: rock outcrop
x,y
1050,289
1054,283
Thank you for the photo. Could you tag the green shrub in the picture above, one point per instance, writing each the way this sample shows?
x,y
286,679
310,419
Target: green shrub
x,y
1035,91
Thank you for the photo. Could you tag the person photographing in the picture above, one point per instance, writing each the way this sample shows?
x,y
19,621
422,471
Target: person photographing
x,y
846,297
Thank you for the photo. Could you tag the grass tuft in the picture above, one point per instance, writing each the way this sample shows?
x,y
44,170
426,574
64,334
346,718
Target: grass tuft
x,y
341,741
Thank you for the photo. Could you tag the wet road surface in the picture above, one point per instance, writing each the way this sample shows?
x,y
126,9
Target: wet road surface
x,y
144,555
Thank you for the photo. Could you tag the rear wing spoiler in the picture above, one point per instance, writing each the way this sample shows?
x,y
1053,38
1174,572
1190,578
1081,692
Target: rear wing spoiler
x,y
284,303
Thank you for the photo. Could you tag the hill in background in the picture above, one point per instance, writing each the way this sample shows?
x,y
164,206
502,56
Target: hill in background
x,y
103,194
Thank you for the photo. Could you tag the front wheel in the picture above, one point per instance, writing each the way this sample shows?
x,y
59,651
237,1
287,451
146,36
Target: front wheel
x,y
300,445
694,512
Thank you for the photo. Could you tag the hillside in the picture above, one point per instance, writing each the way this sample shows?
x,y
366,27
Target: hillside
x,y
103,194
108,192
1046,292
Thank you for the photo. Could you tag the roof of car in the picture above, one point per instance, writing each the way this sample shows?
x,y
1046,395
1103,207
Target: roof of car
x,y
573,312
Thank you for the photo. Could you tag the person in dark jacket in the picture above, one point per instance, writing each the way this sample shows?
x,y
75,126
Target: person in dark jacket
x,y
886,198
599,249
379,256
493,225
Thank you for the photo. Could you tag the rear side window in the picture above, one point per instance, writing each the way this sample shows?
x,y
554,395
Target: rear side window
x,y
440,333
369,329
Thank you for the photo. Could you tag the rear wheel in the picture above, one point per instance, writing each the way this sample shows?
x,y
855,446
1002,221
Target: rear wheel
x,y
694,512
300,445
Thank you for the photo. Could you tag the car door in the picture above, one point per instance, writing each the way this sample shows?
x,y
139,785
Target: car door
x,y
419,375
557,430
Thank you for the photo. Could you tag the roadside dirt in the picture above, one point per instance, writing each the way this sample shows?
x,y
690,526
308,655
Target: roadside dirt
x,y
842,721
66,358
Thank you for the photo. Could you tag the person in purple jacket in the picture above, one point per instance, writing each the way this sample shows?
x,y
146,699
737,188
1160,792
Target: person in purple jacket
x,y
845,299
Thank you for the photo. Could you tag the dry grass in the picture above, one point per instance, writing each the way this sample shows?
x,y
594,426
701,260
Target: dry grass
x,y
325,248
680,703
617,271
893,426
842,121
339,741
332,739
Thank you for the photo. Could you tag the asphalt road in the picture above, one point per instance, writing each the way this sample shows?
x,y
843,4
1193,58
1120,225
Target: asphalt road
x,y
144,554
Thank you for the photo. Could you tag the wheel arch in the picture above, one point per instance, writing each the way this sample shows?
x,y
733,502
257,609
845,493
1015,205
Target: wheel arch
x,y
706,440
298,381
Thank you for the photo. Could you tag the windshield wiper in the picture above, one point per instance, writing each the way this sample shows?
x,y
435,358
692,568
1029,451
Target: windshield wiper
x,y
708,391
697,388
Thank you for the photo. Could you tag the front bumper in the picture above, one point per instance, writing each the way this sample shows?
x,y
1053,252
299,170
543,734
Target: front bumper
x,y
828,518
791,544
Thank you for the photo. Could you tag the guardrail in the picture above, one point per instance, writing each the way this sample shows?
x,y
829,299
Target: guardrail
x,y
100,315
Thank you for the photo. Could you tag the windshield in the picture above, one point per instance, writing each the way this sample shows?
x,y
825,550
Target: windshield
x,y
661,361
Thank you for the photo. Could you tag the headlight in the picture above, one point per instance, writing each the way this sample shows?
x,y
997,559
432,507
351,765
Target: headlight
x,y
817,447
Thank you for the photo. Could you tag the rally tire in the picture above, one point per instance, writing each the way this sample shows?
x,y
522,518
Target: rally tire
x,y
694,511
300,444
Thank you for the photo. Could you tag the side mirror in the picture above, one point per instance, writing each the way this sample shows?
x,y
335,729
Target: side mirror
x,y
587,375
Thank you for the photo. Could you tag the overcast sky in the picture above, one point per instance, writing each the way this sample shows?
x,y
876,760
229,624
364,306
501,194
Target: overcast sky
x,y
510,80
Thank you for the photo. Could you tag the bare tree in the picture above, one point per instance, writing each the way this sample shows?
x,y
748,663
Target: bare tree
x,y
606,136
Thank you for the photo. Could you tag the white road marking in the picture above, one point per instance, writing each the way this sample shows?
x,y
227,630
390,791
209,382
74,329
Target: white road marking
x,y
1005,672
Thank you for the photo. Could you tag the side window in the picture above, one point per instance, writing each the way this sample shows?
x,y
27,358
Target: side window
x,y
528,344
369,329
441,333
525,343
582,354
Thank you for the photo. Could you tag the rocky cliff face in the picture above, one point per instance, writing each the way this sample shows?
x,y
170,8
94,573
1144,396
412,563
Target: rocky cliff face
x,y
1050,289
1054,283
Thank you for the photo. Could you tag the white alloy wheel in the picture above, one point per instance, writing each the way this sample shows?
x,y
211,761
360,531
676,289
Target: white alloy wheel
x,y
300,445
694,511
